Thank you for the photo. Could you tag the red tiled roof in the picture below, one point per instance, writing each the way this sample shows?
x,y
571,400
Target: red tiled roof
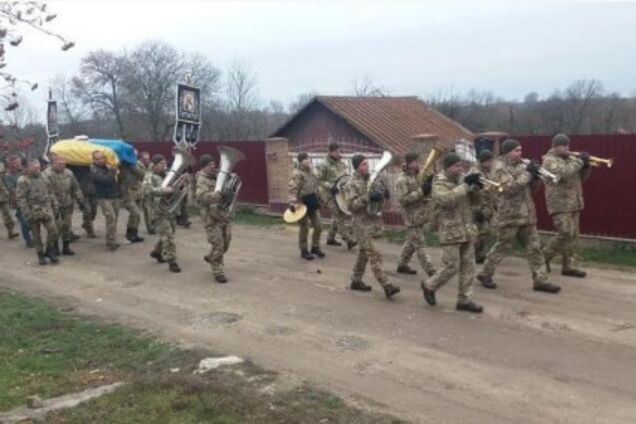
x,y
390,122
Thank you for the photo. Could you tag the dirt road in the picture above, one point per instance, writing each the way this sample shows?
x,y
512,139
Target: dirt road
x,y
531,357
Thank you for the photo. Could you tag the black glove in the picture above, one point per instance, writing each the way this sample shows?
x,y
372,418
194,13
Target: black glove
x,y
533,168
479,217
585,157
427,188
473,180
375,196
292,208
334,190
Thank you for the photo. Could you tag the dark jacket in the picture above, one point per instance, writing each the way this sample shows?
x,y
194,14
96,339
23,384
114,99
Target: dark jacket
x,y
105,181
84,178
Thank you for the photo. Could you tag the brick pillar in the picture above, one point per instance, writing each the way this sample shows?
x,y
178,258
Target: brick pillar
x,y
279,166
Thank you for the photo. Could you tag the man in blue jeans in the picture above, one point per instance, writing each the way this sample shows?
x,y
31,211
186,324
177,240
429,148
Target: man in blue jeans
x,y
14,171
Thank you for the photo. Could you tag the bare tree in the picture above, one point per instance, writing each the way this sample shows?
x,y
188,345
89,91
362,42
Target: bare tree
x,y
71,111
14,18
241,99
365,87
100,84
301,101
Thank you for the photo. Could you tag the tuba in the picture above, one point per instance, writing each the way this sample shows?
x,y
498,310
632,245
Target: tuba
x,y
375,184
427,168
226,180
178,179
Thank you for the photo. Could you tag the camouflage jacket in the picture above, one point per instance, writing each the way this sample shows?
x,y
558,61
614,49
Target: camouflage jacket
x,y
65,187
35,197
153,195
567,194
357,198
413,203
453,203
208,199
515,205
328,173
301,183
484,201
131,178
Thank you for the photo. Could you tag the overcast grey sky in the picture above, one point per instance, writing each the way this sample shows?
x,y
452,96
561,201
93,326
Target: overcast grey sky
x,y
408,47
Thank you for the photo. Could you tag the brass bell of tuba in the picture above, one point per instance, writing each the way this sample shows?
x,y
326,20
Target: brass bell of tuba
x,y
226,180
177,179
375,184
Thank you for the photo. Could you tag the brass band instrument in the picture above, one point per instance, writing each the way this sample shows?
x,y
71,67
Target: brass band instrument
x,y
545,174
596,161
226,179
374,184
177,179
490,184
427,168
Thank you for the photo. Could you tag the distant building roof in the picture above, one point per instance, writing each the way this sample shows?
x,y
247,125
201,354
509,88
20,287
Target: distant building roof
x,y
390,122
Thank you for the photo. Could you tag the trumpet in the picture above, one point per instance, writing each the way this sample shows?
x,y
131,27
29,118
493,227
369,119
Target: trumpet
x,y
490,184
596,161
545,174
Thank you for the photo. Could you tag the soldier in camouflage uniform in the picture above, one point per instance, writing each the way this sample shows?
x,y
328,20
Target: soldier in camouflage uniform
x,y
144,164
36,200
413,199
215,219
4,206
66,190
516,217
10,179
89,207
162,221
564,201
303,188
364,228
328,173
484,205
108,195
452,193
130,179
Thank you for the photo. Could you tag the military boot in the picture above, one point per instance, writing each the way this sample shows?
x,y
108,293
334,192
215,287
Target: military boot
x,y
574,273
360,286
351,244
56,248
174,267
429,295
132,235
220,278
333,242
41,258
50,253
113,246
157,255
405,269
487,281
317,252
66,248
547,288
390,290
306,255
469,306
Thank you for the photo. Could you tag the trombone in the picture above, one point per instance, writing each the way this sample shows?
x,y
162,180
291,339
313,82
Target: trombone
x,y
596,161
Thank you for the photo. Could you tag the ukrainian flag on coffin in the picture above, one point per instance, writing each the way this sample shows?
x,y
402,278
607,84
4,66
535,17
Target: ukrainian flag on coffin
x,y
79,151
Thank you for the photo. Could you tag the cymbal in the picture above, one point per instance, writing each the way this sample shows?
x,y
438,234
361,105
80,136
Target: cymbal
x,y
293,217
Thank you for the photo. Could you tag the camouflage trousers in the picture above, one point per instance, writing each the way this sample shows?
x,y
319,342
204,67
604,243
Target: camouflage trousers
x,y
485,231
311,219
89,212
564,244
144,208
129,203
528,236
367,253
165,228
416,243
338,223
6,217
219,236
110,210
36,226
63,222
457,258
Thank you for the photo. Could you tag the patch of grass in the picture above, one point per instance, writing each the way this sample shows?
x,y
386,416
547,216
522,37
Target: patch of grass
x,y
49,353
621,254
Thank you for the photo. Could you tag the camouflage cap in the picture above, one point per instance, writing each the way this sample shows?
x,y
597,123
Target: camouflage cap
x,y
509,145
450,159
485,155
410,157
333,146
205,160
356,160
301,157
560,140
158,158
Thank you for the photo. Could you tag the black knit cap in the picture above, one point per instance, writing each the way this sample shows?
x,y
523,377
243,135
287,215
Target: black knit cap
x,y
485,155
356,160
333,147
509,145
156,159
560,140
205,160
450,159
410,157
301,157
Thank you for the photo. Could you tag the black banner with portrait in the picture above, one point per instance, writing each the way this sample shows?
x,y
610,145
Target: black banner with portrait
x,y
188,114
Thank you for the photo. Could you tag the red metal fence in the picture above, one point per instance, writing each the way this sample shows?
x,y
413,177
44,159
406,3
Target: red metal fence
x,y
253,170
610,197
